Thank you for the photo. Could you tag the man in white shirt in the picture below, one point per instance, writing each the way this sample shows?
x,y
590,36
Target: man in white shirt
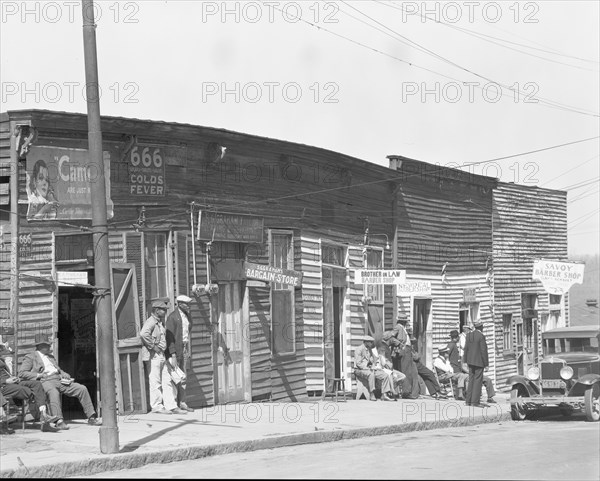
x,y
179,342
445,371
41,366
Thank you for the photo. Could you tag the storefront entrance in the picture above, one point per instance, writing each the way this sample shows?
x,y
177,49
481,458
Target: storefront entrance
x,y
77,342
232,356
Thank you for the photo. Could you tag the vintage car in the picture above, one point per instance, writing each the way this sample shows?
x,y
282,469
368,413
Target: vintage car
x,y
567,377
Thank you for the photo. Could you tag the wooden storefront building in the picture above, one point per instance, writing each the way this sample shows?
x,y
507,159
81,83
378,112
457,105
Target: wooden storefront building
x,y
259,207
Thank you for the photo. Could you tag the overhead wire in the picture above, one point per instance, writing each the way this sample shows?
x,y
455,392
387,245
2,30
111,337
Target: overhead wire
x,y
542,100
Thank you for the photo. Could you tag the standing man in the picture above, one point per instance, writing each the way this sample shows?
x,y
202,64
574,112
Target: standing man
x,y
41,366
179,342
463,339
476,357
365,369
154,339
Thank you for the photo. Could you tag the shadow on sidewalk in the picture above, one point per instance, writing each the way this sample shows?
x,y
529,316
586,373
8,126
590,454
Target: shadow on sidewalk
x,y
130,447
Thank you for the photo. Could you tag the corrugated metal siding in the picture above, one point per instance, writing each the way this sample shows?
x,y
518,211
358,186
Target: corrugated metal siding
x,y
529,223
5,281
312,300
4,160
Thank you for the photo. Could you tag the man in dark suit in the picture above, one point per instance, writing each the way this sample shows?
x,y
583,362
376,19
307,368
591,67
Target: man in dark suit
x,y
179,341
41,366
476,357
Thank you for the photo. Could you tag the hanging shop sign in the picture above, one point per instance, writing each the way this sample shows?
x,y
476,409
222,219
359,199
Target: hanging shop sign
x,y
414,288
230,227
59,183
272,274
380,276
469,294
25,250
558,277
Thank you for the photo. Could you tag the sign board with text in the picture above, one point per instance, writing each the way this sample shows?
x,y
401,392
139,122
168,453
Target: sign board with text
x,y
146,170
272,274
230,227
380,276
414,288
558,277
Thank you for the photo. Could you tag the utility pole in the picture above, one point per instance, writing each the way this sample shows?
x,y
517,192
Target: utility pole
x,y
109,431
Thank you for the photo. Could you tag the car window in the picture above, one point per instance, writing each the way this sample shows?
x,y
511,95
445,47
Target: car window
x,y
583,344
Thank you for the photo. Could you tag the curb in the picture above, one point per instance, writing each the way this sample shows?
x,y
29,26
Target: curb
x,y
119,461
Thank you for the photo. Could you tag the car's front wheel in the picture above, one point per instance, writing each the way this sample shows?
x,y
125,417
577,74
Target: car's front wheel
x,y
592,403
517,406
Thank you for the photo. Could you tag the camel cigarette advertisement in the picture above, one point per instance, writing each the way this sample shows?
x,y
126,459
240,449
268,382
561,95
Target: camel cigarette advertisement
x,y
59,183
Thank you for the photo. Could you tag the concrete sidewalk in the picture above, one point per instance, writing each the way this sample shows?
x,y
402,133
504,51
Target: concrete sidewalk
x,y
156,438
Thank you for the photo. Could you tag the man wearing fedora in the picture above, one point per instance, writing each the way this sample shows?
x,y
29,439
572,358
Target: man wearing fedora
x,y
154,340
179,341
18,390
365,369
476,357
41,366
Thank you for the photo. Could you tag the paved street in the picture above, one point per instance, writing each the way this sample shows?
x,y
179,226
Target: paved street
x,y
551,449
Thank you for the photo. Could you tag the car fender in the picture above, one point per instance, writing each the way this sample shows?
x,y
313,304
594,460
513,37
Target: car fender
x,y
584,383
518,380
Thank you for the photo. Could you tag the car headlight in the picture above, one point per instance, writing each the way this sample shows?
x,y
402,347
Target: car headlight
x,y
566,373
533,373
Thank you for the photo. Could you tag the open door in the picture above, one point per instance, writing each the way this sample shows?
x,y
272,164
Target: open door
x,y
131,382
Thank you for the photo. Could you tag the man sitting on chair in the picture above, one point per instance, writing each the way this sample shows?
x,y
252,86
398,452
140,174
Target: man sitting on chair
x,y
365,369
445,372
40,365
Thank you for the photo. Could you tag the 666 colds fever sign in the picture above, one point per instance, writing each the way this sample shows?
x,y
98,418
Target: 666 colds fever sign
x,y
146,171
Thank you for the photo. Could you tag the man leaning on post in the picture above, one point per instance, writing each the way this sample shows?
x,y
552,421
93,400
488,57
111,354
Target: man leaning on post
x,y
179,341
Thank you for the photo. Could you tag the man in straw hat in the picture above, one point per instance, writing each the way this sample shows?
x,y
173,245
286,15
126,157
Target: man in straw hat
x,y
154,339
365,369
179,329
41,366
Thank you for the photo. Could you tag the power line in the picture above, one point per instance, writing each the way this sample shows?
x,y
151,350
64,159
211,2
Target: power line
x,y
488,38
543,100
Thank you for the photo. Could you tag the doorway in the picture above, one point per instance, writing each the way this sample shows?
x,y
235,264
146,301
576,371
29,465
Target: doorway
x,y
333,299
422,330
77,342
232,354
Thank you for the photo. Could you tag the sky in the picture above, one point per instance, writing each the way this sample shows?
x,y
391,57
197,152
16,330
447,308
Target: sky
x,y
450,83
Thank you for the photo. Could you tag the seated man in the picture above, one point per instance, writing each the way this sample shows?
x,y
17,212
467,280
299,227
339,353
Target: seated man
x,y
365,369
31,391
445,372
428,376
395,376
41,366
4,418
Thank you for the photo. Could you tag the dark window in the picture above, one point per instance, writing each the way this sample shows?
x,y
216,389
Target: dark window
x,y
282,296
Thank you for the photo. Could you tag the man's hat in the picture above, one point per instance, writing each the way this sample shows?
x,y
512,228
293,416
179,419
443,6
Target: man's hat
x,y
443,349
42,339
4,350
159,304
368,338
184,298
453,333
478,323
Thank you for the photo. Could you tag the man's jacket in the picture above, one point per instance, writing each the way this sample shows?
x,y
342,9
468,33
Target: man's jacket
x,y
476,353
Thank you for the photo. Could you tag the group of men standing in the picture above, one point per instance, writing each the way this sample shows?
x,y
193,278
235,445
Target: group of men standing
x,y
166,352
396,368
